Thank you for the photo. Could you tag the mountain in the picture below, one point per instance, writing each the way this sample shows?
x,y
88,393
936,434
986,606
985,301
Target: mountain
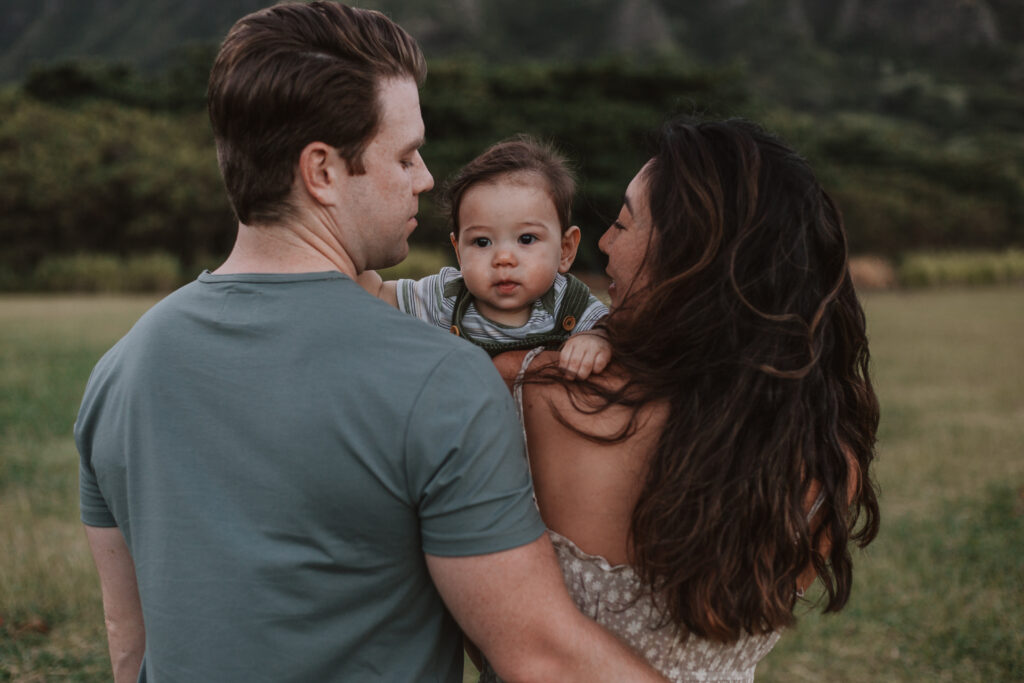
x,y
146,33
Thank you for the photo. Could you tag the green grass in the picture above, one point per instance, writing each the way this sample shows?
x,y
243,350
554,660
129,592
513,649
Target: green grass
x,y
51,623
938,596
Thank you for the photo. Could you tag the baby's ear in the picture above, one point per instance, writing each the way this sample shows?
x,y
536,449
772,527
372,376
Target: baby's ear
x,y
455,246
570,243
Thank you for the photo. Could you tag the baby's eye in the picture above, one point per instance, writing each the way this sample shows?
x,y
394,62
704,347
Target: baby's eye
x,y
481,242
527,239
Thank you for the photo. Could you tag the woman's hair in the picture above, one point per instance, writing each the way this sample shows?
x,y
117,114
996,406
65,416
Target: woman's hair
x,y
751,333
519,159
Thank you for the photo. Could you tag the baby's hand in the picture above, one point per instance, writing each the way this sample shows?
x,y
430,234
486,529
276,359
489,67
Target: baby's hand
x,y
585,353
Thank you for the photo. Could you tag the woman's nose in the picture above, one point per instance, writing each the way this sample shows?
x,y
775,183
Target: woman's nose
x,y
605,242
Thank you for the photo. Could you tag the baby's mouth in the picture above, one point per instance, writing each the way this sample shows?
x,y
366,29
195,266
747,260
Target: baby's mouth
x,y
506,286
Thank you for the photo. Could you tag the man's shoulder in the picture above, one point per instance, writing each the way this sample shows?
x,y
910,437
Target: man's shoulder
x,y
414,341
415,345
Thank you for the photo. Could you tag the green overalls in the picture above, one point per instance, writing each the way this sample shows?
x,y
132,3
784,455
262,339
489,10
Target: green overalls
x,y
574,303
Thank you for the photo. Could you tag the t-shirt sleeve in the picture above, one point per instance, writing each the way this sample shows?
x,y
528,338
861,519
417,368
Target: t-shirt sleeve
x,y
467,463
593,313
92,506
425,298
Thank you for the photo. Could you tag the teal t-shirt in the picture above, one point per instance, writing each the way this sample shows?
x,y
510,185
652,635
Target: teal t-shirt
x,y
279,452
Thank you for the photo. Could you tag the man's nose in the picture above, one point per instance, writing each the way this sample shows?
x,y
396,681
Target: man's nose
x,y
426,183
424,179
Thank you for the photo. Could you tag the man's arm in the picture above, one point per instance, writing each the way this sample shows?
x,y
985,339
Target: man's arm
x,y
514,606
126,634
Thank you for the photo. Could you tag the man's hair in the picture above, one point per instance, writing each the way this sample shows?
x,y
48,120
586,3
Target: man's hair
x,y
293,74
516,158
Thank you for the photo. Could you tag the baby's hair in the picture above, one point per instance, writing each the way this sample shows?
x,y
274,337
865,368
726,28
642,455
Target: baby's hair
x,y
510,159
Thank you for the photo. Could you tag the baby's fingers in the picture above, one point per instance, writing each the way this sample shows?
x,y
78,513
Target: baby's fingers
x,y
571,359
587,364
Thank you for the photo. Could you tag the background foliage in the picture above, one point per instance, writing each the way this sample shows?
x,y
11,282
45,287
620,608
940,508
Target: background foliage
x,y
920,137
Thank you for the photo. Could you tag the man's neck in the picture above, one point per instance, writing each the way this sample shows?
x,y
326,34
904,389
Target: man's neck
x,y
284,249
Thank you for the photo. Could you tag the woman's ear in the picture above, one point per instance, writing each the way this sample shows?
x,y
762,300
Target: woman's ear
x,y
455,246
319,173
570,243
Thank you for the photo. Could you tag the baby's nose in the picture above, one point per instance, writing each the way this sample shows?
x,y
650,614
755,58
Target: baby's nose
x,y
504,256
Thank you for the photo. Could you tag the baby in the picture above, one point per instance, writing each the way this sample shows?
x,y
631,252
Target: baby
x,y
509,210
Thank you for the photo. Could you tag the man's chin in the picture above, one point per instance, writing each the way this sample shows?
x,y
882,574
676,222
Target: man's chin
x,y
390,260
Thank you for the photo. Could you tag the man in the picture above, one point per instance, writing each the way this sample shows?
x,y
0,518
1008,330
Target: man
x,y
283,478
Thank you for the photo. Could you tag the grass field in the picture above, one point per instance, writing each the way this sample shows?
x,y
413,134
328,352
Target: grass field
x,y
938,597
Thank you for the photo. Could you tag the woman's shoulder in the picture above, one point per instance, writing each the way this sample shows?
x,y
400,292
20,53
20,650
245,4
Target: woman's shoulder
x,y
589,407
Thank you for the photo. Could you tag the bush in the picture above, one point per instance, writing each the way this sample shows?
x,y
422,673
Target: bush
x,y
420,262
903,186
100,178
106,273
154,272
929,269
103,172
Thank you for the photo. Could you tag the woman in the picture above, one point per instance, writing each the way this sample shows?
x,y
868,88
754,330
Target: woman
x,y
696,488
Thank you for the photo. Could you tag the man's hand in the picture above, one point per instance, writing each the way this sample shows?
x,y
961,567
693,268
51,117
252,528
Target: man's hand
x,y
585,353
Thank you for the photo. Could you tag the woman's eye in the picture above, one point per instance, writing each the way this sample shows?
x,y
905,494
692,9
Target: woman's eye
x,y
618,226
527,239
481,242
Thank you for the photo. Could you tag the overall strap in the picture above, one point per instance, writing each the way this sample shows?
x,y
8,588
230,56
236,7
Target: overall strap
x,y
574,303
462,300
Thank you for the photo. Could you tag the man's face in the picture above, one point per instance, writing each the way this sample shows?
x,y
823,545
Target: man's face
x,y
381,204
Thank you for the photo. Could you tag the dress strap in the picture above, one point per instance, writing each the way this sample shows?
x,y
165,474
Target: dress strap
x,y
517,386
818,502
517,393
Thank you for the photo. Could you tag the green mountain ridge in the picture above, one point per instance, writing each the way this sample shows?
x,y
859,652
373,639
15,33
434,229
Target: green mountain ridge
x,y
147,33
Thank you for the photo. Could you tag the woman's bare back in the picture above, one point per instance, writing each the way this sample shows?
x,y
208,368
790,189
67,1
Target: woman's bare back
x,y
587,490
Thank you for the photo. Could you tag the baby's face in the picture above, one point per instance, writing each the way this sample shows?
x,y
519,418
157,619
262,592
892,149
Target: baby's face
x,y
510,247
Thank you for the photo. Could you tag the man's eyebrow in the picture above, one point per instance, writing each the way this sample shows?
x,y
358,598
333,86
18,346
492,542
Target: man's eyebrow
x,y
413,146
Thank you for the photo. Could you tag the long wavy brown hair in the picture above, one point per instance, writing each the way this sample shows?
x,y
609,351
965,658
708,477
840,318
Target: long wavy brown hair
x,y
752,334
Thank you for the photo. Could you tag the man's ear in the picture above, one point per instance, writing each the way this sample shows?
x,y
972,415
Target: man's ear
x,y
455,246
570,243
319,171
